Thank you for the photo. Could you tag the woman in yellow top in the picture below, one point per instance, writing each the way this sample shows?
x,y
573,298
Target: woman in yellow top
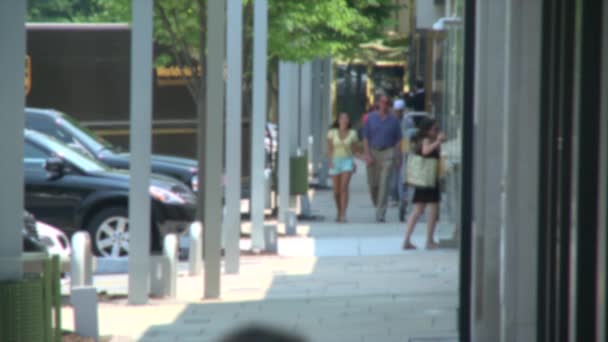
x,y
341,142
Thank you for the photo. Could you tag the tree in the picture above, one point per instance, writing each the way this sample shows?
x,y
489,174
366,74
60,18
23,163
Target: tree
x,y
298,30
62,10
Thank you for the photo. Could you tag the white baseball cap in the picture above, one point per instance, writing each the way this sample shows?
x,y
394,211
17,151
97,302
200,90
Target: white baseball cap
x,y
398,104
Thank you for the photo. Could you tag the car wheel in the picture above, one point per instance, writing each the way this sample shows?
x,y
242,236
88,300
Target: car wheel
x,y
109,231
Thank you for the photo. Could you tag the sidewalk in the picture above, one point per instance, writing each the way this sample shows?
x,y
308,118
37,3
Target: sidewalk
x,y
334,282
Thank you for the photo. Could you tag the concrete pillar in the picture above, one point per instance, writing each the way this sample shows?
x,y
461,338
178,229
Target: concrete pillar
x,y
12,62
234,59
258,121
521,125
286,113
488,162
140,142
213,138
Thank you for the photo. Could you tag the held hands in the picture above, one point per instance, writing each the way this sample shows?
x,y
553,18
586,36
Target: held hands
x,y
369,160
441,137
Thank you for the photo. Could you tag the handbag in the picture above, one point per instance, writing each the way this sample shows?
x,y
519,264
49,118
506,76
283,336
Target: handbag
x,y
421,172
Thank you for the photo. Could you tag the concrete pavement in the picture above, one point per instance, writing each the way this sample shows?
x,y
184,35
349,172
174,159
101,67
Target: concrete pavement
x,y
333,282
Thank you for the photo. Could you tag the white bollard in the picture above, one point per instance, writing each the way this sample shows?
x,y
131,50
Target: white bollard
x,y
270,238
159,267
171,253
291,222
311,164
267,188
84,303
82,260
305,210
195,253
163,269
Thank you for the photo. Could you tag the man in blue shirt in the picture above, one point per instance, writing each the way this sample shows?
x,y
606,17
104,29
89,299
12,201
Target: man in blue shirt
x,y
381,143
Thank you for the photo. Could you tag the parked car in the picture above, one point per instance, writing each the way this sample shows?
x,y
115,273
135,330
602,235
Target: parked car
x,y
55,241
72,191
29,233
66,129
63,127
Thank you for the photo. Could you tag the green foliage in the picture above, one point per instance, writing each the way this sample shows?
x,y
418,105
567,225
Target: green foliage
x,y
62,10
298,30
302,30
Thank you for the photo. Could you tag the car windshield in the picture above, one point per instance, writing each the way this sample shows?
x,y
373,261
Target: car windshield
x,y
85,136
68,154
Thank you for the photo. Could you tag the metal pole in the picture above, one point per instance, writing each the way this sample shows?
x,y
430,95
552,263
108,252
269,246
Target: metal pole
x,y
294,125
466,196
521,126
12,61
293,86
213,138
140,142
325,118
305,118
305,104
260,36
490,73
285,107
316,114
234,58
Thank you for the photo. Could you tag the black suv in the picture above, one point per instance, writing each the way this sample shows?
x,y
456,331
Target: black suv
x,y
66,129
72,191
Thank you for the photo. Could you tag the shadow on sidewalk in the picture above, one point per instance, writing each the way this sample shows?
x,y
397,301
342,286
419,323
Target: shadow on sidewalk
x,y
335,282
384,298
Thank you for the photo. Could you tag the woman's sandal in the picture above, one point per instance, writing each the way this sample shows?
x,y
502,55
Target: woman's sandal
x,y
431,246
408,245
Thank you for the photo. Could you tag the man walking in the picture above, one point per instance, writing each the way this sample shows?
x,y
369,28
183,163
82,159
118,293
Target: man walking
x,y
381,143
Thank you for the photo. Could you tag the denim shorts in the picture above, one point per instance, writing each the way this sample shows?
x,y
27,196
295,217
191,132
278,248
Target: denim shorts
x,y
342,165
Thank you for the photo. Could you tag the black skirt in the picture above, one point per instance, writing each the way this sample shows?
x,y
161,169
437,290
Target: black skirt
x,y
426,195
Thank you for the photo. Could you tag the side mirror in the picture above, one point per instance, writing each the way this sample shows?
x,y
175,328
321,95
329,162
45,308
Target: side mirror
x,y
55,167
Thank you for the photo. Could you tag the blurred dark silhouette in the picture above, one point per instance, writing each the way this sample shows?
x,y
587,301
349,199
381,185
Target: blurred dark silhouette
x,y
257,333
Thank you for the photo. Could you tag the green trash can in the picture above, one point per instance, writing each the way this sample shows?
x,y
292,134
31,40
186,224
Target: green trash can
x,y
30,308
298,174
23,310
